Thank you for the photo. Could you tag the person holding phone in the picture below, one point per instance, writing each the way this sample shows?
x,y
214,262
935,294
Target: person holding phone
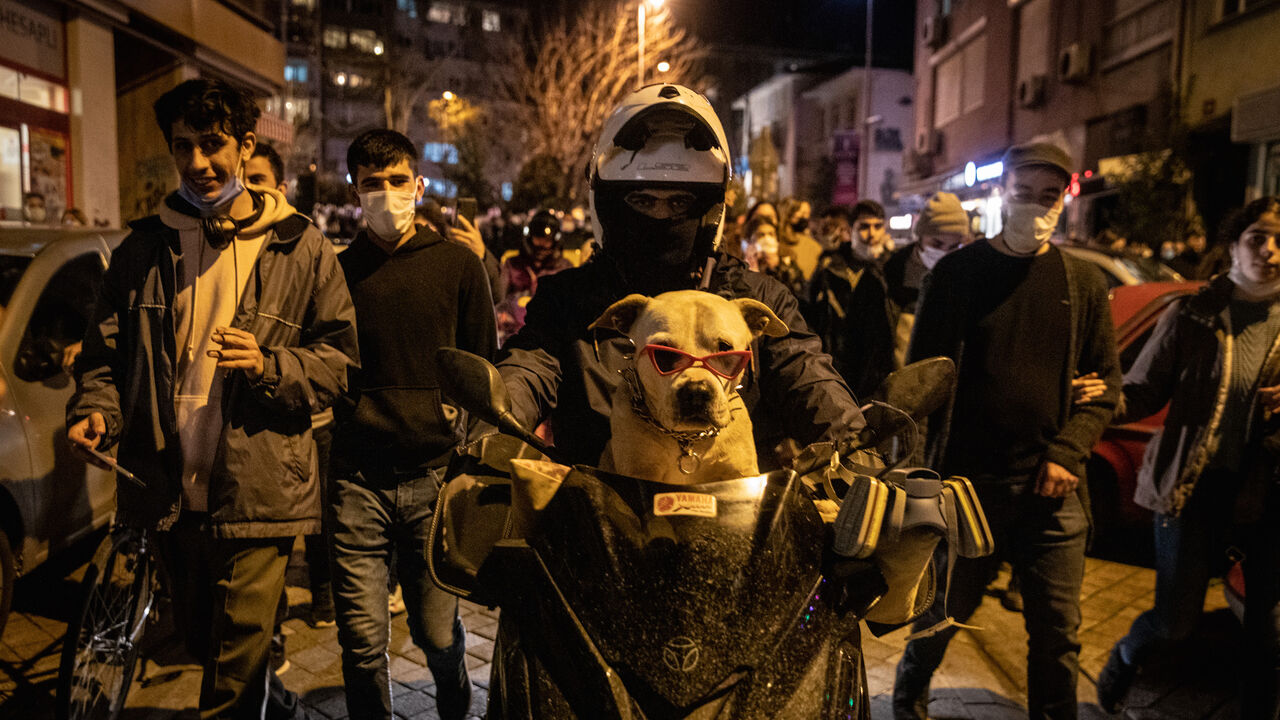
x,y
461,229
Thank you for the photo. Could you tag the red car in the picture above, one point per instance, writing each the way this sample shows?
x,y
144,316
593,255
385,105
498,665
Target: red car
x,y
1113,468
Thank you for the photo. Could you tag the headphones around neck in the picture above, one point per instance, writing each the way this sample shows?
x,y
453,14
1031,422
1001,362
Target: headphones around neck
x,y
220,230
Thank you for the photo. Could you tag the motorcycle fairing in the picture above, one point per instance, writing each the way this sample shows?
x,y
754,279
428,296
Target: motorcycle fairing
x,y
724,613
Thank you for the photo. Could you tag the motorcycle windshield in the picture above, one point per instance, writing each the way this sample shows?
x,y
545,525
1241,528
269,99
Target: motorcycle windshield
x,y
681,587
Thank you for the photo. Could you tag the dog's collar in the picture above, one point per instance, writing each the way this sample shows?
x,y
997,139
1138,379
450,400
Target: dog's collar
x,y
689,460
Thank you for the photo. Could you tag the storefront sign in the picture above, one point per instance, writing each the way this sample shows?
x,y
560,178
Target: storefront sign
x,y
31,35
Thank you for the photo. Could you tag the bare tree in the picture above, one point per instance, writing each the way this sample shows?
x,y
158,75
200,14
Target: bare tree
x,y
411,78
582,66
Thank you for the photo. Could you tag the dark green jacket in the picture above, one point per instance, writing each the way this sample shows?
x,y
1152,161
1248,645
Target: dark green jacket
x,y
263,481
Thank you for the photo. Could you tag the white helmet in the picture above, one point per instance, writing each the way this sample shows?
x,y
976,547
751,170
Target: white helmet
x,y
660,137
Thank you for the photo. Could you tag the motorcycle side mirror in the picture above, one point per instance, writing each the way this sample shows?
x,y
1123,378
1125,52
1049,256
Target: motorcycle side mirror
x,y
475,385
907,396
919,388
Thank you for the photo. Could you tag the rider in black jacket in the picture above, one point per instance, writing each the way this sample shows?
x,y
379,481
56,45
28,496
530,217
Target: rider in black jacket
x,y
658,177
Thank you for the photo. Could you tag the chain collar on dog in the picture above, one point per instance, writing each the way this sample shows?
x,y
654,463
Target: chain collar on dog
x,y
689,460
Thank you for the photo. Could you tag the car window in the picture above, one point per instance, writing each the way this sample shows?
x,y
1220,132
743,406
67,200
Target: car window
x,y
60,317
1150,270
1140,270
1113,280
11,269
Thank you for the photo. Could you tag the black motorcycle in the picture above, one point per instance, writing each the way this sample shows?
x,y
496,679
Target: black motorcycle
x,y
631,599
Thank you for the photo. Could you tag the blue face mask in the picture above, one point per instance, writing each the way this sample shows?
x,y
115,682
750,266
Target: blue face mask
x,y
207,207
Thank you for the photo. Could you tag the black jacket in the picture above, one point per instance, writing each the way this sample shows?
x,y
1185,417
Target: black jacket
x,y
849,309
430,293
263,480
553,370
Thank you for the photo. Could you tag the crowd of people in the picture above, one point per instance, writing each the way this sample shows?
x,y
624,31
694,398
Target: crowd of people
x,y
265,387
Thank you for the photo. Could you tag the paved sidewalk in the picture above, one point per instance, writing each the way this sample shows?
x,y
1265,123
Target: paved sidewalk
x,y
982,678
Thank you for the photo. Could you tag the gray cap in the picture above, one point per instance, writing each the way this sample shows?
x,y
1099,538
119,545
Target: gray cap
x,y
1038,153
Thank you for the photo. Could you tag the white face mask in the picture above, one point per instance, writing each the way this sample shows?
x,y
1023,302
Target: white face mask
x,y
1028,225
929,256
869,253
388,213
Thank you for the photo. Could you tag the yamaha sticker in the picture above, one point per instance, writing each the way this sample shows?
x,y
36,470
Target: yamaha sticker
x,y
684,503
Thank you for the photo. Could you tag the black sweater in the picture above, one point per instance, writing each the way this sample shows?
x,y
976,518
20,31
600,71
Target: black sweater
x,y
428,294
950,309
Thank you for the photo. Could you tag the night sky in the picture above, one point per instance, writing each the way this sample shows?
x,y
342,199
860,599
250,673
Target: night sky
x,y
830,28
822,30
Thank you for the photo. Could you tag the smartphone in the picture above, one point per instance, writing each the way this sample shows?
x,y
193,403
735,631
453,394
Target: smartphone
x,y
466,208
115,466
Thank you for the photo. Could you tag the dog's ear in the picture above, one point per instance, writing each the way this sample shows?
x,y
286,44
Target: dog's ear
x,y
760,319
621,315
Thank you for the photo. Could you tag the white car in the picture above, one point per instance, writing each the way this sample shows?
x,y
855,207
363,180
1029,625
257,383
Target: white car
x,y
49,277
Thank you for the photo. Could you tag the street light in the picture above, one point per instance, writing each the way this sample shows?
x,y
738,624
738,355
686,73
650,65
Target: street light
x,y
448,96
655,4
864,151
664,66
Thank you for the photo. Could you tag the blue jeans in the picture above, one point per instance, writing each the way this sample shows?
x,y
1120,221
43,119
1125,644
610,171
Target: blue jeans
x,y
375,512
1192,548
1044,539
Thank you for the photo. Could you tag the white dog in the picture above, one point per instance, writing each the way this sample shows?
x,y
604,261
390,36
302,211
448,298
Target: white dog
x,y
677,416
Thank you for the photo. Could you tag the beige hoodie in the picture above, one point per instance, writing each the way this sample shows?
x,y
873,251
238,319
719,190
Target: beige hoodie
x,y
210,282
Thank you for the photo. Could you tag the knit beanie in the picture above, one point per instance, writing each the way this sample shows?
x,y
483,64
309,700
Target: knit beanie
x,y
942,214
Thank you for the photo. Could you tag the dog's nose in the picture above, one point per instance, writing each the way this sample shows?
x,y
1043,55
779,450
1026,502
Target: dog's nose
x,y
694,399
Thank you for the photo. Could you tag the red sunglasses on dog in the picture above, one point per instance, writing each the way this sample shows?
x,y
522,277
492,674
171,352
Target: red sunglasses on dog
x,y
668,361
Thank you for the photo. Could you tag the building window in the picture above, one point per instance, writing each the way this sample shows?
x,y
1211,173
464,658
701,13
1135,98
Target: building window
x,y
296,71
297,110
335,37
440,153
491,21
1135,25
441,187
508,191
408,6
975,73
447,13
33,90
959,82
343,78
308,4
365,41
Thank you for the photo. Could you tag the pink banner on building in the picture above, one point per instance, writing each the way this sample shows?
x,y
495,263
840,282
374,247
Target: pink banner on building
x,y
844,154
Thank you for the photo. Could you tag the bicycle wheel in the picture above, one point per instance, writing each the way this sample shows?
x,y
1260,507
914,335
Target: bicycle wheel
x,y
100,651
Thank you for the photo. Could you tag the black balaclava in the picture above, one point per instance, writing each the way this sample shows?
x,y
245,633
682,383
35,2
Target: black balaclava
x,y
656,255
